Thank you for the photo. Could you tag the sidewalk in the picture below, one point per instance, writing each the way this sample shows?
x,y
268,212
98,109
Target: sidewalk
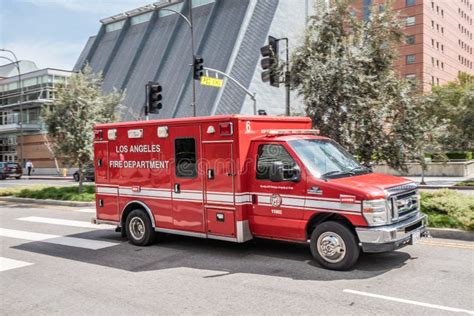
x,y
46,177
441,182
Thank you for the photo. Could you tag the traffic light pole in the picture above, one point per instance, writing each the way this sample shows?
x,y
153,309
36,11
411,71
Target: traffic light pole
x,y
287,76
252,95
20,86
189,21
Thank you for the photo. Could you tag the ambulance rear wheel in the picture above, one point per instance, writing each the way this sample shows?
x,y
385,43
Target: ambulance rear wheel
x,y
139,230
334,246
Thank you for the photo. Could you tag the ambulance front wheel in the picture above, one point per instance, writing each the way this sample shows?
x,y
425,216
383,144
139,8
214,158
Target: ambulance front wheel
x,y
334,246
139,230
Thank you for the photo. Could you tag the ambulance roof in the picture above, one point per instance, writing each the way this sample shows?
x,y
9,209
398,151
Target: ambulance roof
x,y
203,119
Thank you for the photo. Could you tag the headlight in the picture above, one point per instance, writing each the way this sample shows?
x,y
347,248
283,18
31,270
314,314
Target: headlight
x,y
376,212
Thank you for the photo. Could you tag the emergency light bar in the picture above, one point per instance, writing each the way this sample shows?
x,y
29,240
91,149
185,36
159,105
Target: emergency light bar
x,y
280,132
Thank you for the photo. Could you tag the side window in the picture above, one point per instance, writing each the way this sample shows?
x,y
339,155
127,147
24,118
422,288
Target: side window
x,y
185,157
267,154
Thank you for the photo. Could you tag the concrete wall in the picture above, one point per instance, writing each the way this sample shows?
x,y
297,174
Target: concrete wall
x,y
434,169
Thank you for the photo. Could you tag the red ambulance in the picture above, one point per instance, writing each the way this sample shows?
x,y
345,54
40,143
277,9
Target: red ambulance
x,y
238,177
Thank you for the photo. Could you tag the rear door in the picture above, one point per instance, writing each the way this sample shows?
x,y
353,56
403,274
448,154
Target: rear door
x,y
106,195
187,179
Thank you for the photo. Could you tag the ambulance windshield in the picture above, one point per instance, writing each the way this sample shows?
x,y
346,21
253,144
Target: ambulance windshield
x,y
327,159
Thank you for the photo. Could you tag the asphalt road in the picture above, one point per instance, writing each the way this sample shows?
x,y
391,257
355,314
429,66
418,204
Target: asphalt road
x,y
52,261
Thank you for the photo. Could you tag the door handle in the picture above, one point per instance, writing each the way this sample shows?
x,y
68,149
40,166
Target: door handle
x,y
177,188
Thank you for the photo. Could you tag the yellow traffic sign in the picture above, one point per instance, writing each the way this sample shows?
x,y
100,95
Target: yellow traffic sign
x,y
212,82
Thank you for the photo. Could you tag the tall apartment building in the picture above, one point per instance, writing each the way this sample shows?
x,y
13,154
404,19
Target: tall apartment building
x,y
439,38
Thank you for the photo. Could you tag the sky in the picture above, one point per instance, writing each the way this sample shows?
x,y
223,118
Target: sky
x,y
52,33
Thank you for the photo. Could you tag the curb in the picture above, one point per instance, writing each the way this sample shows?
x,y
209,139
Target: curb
x,y
450,187
47,202
449,233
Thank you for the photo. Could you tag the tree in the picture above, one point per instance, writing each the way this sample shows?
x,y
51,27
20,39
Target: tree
x,y
344,72
452,104
70,119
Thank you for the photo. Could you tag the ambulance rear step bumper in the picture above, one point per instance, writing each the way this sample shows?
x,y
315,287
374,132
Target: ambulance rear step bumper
x,y
391,237
100,221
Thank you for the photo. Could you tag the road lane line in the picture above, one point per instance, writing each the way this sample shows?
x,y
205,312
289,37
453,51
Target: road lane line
x,y
86,210
63,222
401,300
10,264
58,240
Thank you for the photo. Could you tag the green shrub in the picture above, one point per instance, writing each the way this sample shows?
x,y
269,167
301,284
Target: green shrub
x,y
448,208
66,193
467,155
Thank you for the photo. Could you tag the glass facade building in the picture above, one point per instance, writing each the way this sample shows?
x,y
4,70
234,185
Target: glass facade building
x,y
20,107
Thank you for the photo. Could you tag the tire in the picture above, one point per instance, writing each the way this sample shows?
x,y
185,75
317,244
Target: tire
x,y
76,177
139,230
341,251
18,178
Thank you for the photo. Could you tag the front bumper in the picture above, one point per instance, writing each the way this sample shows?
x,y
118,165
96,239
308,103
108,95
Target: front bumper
x,y
391,237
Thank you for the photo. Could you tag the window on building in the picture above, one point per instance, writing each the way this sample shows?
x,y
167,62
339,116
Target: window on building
x,y
437,63
442,48
432,80
267,155
185,158
432,61
114,26
411,78
411,20
410,59
432,24
145,17
442,13
409,3
410,39
437,81
442,65
367,5
442,30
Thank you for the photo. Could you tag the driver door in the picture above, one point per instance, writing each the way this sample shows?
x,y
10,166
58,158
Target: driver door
x,y
277,207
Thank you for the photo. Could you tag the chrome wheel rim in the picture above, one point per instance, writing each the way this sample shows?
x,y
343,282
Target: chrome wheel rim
x,y
331,247
137,228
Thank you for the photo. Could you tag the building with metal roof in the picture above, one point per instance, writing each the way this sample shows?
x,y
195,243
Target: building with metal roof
x,y
152,43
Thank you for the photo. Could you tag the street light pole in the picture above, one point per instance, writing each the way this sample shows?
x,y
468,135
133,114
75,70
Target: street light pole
x,y
20,86
189,21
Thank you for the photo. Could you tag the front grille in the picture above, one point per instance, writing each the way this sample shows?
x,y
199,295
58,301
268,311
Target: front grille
x,y
404,204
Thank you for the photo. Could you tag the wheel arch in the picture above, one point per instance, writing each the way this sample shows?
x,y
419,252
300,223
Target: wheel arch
x,y
133,205
322,217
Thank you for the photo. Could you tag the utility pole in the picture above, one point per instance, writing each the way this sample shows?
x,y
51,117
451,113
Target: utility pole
x,y
193,104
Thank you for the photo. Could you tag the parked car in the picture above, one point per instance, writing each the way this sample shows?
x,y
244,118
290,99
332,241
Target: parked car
x,y
88,174
10,169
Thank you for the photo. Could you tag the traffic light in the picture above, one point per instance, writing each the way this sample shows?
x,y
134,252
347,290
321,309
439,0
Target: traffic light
x,y
198,67
269,62
154,97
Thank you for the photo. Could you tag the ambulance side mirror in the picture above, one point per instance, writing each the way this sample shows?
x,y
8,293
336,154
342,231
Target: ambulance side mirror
x,y
277,171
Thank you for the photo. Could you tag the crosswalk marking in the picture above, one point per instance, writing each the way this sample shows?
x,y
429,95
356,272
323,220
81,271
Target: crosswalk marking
x,y
58,240
9,264
63,222
86,210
